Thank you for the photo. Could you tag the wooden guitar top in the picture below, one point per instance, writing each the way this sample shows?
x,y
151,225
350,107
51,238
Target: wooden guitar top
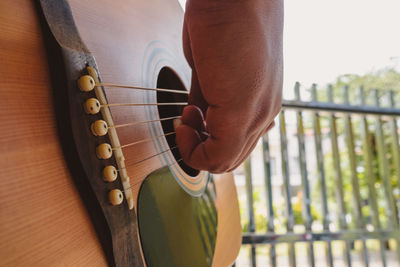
x,y
43,221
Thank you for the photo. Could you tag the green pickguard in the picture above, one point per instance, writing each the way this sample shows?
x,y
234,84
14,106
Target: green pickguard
x,y
175,228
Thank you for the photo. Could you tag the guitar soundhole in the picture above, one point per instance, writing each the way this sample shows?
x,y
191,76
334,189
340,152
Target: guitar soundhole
x,y
167,78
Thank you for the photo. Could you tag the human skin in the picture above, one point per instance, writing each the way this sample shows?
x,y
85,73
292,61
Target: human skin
x,y
234,48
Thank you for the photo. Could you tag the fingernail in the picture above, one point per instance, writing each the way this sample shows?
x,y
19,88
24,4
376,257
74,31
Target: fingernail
x,y
177,123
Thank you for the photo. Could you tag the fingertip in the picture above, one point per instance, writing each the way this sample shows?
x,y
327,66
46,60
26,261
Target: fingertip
x,y
177,123
193,116
192,112
187,139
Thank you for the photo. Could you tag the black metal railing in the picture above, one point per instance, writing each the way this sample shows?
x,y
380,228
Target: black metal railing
x,y
355,147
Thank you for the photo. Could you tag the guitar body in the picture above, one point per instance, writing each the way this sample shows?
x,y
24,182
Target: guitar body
x,y
53,211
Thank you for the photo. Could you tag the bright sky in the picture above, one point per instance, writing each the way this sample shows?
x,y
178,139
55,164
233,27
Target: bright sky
x,y
326,38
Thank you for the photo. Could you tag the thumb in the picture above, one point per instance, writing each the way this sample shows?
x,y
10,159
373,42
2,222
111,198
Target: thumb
x,y
190,131
192,116
187,139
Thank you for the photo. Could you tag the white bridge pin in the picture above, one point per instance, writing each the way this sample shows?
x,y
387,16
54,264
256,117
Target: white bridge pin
x,y
110,173
92,106
104,151
99,128
86,83
115,197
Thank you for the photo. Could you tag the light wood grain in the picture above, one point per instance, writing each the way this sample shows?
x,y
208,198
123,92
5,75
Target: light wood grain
x,y
229,237
42,219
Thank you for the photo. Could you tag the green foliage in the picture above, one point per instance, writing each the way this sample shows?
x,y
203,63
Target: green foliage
x,y
383,79
260,219
298,212
280,220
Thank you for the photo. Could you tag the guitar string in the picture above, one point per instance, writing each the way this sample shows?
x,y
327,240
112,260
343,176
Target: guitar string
x,y
147,139
142,88
142,122
148,158
143,104
142,141
152,156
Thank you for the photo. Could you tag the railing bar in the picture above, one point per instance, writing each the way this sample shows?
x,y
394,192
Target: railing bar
x,y
349,235
287,185
349,137
396,155
371,179
250,206
304,178
339,108
338,177
391,211
268,190
395,141
384,169
321,175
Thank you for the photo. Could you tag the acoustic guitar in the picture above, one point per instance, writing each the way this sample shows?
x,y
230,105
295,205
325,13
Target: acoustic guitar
x,y
90,172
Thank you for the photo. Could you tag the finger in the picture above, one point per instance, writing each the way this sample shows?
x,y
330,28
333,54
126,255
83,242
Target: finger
x,y
222,147
211,155
193,133
193,117
187,139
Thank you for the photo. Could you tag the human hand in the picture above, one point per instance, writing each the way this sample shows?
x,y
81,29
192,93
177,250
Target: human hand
x,y
235,51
